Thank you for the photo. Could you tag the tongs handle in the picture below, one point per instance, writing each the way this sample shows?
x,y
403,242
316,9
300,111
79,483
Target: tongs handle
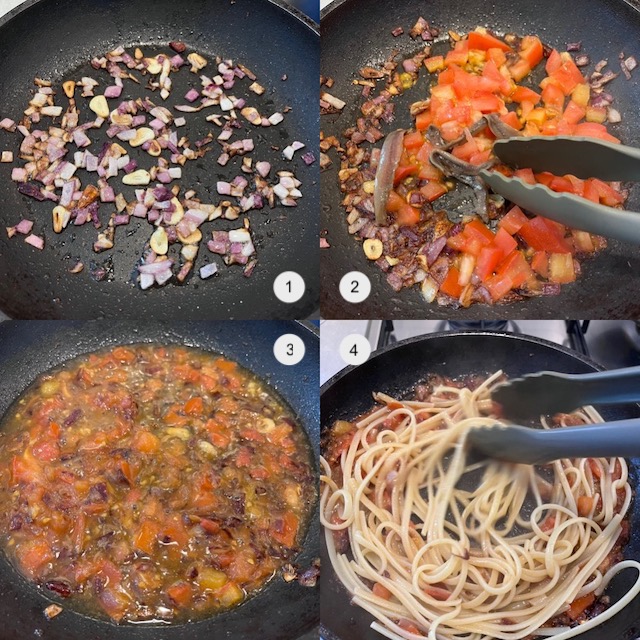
x,y
567,209
617,386
578,156
539,446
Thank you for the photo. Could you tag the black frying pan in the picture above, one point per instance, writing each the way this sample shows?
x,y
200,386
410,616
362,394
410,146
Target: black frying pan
x,y
356,33
395,370
55,39
280,611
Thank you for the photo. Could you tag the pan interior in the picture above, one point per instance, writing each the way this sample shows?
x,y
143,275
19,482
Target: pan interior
x,y
56,40
355,36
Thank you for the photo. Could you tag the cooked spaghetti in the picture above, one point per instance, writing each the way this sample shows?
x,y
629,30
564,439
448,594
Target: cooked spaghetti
x,y
434,545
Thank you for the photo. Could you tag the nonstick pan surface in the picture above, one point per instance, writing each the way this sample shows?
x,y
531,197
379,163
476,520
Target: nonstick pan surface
x,y
396,370
280,611
55,39
357,33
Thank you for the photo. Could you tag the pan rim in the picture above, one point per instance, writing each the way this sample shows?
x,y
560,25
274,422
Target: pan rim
x,y
468,332
282,4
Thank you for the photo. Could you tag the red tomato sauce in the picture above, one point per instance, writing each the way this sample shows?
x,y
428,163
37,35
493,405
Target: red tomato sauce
x,y
152,482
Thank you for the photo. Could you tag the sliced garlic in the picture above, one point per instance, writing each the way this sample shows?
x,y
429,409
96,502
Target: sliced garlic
x,y
153,66
120,118
192,238
143,134
137,178
197,61
178,212
372,248
189,252
159,242
99,106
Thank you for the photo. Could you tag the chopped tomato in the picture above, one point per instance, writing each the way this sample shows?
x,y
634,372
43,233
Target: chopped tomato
x,y
450,285
526,175
498,286
194,406
579,605
516,268
437,593
540,234
423,120
540,263
394,202
531,50
585,505
181,593
404,171
285,529
553,97
497,56
432,191
405,625
33,555
606,193
573,113
407,215
381,591
512,120
487,261
504,242
524,93
519,69
484,41
567,76
554,62
413,141
561,269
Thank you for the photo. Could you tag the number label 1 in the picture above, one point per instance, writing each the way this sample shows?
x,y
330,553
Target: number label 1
x,y
289,287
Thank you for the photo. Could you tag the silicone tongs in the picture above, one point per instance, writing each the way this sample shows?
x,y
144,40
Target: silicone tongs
x,y
548,393
581,157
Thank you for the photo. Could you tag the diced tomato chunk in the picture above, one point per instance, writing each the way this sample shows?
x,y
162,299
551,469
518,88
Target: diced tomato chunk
x,y
540,234
450,285
514,220
484,41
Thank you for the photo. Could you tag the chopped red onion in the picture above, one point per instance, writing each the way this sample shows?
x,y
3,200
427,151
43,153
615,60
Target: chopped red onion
x,y
207,270
192,95
263,168
24,226
308,158
35,241
398,31
223,188
574,46
113,91
7,124
613,115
